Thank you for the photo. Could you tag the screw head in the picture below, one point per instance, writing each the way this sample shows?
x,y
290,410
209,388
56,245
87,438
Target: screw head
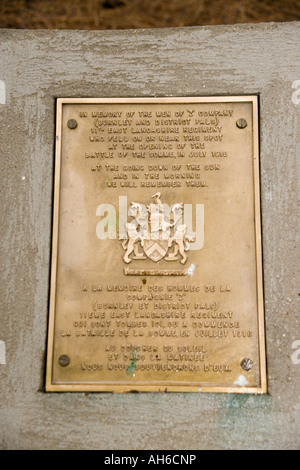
x,y
241,123
72,123
64,360
246,364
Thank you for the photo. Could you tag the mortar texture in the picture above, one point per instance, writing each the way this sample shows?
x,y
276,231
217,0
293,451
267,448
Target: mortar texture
x,y
36,67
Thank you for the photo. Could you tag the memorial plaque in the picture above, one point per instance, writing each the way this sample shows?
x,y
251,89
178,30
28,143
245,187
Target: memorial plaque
x,y
156,279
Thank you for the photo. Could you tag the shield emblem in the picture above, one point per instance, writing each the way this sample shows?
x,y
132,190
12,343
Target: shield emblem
x,y
156,249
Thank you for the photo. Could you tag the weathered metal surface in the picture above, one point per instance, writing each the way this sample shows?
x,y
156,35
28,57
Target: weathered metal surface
x,y
156,263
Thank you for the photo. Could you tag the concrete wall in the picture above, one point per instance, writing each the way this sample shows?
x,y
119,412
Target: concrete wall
x,y
35,68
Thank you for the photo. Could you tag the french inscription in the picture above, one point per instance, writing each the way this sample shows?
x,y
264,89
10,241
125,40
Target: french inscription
x,y
156,269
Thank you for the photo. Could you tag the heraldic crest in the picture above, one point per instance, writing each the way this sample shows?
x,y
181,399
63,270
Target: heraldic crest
x,y
156,232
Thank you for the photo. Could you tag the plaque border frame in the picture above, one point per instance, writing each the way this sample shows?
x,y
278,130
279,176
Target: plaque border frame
x,y
123,387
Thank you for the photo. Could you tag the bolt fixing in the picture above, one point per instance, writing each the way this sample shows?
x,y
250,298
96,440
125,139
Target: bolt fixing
x,y
246,364
72,123
64,360
241,123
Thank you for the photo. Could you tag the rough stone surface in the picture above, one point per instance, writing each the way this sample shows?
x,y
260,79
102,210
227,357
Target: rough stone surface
x,y
35,68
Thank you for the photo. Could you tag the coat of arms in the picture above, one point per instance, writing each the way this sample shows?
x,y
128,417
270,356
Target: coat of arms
x,y
156,232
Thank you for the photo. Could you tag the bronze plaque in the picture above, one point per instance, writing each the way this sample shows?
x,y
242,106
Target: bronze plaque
x,y
156,281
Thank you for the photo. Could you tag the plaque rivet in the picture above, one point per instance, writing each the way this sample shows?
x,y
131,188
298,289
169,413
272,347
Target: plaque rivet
x,y
246,364
72,124
241,123
64,360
